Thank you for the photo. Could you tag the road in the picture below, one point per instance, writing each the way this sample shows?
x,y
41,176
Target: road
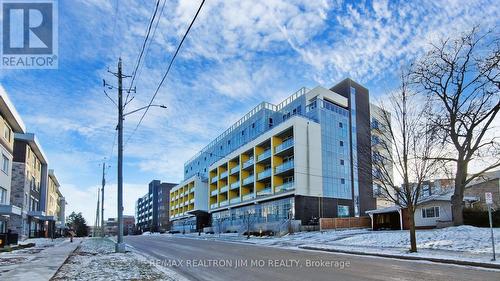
x,y
217,260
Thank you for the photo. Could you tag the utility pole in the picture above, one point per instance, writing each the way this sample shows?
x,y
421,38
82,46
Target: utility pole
x,y
102,197
120,247
96,224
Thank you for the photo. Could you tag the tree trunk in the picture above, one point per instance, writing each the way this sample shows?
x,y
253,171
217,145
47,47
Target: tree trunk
x,y
413,233
457,200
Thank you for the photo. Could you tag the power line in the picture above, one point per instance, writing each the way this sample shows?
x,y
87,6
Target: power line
x,y
166,73
139,71
141,53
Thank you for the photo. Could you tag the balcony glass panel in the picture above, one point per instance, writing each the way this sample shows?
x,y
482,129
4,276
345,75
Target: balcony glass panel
x,y
214,192
214,180
248,163
235,200
248,180
284,167
283,146
264,155
214,205
266,191
235,169
235,185
223,174
286,187
224,203
224,189
248,196
265,174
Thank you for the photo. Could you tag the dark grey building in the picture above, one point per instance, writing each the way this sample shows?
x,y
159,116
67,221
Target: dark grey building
x,y
152,209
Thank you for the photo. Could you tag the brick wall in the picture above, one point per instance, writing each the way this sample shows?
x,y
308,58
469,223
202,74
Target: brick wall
x,y
480,189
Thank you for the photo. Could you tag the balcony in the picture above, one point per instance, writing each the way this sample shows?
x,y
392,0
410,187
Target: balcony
x,y
248,163
284,167
235,200
224,189
214,205
248,180
213,180
214,192
264,155
249,196
224,203
283,146
235,169
223,174
235,185
265,191
285,187
191,201
265,174
191,190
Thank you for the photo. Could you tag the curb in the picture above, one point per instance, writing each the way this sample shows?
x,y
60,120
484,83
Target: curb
x,y
66,260
438,260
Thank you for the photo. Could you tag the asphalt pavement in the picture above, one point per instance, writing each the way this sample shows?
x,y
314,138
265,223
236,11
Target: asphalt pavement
x,y
198,259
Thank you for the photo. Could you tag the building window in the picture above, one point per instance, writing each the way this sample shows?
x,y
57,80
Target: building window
x,y
7,132
432,212
342,211
5,164
341,143
342,162
342,181
3,195
341,125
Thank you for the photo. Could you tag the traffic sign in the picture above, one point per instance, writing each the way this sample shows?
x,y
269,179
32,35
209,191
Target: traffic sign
x,y
489,198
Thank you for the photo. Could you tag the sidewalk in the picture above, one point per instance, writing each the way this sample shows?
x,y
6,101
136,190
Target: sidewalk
x,y
36,266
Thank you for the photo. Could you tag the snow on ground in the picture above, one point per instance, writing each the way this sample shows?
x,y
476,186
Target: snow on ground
x,y
463,238
95,259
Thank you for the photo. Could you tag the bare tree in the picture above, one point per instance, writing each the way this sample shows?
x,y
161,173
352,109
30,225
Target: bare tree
x,y
402,159
461,78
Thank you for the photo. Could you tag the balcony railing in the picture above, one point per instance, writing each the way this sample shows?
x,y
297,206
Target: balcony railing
x,y
213,180
214,192
248,163
264,155
235,185
191,201
224,189
283,146
191,190
265,174
286,187
214,205
235,200
284,167
223,174
248,196
265,191
224,203
248,180
235,169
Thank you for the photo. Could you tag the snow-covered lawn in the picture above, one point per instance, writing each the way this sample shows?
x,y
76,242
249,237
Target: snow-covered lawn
x,y
95,259
461,238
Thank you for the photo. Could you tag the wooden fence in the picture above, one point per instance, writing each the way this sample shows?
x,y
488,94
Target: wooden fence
x,y
338,223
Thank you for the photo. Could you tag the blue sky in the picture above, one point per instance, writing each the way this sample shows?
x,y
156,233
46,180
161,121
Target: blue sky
x,y
238,54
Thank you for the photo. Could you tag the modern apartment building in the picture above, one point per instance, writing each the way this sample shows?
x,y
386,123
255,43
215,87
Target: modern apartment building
x,y
29,187
55,205
381,146
189,205
152,209
10,124
305,158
